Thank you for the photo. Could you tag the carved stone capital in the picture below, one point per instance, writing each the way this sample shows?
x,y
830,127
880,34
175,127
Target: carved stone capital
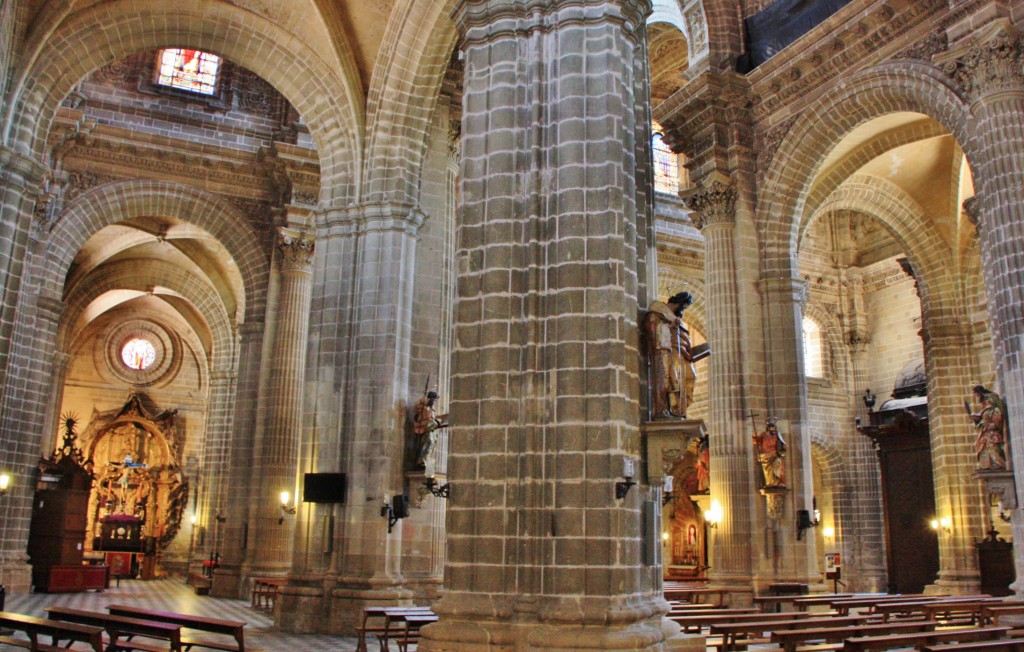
x,y
991,63
525,15
712,203
296,251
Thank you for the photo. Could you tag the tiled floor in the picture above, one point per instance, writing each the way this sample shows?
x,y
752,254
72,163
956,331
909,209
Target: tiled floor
x,y
174,595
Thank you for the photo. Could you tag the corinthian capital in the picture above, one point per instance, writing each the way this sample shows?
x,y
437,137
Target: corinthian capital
x,y
714,202
296,250
993,62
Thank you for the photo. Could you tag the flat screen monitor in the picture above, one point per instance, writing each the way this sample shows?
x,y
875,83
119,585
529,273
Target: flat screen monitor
x,y
324,488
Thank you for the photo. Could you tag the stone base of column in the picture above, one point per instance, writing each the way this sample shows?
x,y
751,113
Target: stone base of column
x,y
298,608
476,623
345,603
227,583
17,577
956,583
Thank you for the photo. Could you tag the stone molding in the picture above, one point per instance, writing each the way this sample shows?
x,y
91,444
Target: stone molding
x,y
714,203
296,251
358,219
794,288
993,62
502,16
21,170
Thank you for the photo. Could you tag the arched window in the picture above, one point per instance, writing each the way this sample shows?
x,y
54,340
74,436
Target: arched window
x,y
666,166
188,70
814,359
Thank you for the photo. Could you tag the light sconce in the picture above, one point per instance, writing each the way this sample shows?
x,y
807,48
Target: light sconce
x,y
666,490
441,491
945,524
5,483
220,519
194,520
807,519
622,488
829,532
286,506
714,514
394,508
869,399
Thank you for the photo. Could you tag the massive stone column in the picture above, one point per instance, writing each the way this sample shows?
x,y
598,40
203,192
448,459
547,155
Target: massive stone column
x,y
957,495
989,65
542,555
282,404
732,479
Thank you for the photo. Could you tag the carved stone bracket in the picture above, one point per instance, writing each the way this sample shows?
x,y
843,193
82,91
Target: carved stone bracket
x,y
776,497
714,202
999,485
666,441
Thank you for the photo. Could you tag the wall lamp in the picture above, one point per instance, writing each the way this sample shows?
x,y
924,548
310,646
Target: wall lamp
x,y
286,506
5,483
622,488
829,532
666,490
394,508
807,519
945,524
714,514
439,490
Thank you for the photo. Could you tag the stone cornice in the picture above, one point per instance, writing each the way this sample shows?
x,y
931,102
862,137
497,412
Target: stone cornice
x,y
358,219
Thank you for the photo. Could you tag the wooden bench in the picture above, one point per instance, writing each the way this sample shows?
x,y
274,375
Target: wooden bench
x,y
845,605
921,639
790,639
990,613
123,626
695,622
1000,645
35,627
232,628
695,594
407,631
922,606
380,612
731,632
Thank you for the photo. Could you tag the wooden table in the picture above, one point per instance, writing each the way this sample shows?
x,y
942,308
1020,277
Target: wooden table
x,y
693,594
382,612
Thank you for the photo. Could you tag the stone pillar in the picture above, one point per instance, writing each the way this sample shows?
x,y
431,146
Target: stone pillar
x,y
242,484
957,494
545,401
989,65
362,387
217,455
788,556
20,179
282,404
857,495
732,476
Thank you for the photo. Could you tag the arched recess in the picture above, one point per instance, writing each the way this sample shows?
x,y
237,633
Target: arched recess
x,y
331,105
116,202
406,82
874,93
127,275
833,363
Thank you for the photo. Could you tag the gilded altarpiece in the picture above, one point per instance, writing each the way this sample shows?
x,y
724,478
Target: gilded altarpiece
x,y
140,491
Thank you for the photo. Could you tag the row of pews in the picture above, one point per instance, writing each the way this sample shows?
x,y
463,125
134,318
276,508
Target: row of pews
x,y
120,628
849,622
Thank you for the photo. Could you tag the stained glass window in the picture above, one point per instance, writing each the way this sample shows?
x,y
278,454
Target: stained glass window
x,y
814,363
190,70
666,167
138,353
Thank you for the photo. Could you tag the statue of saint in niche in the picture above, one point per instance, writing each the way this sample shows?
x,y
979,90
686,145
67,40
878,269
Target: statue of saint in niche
x,y
671,357
771,449
990,422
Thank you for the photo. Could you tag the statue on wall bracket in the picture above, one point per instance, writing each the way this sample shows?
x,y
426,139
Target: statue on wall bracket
x,y
670,357
991,446
770,447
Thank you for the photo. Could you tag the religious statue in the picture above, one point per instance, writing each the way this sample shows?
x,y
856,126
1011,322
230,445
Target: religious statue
x,y
990,422
425,424
771,449
671,357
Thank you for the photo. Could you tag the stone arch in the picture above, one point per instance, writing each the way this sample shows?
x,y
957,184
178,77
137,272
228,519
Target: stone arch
x,y
414,54
724,33
331,105
907,86
115,202
905,220
127,275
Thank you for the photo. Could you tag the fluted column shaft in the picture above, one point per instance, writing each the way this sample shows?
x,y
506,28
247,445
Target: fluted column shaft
x,y
714,208
990,68
545,375
279,449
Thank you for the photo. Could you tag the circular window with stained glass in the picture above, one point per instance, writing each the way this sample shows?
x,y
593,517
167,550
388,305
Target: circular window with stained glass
x,y
138,353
